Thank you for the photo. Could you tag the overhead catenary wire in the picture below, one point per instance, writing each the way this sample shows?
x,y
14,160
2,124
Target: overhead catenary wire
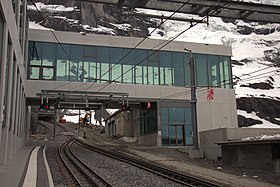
x,y
75,88
138,44
168,41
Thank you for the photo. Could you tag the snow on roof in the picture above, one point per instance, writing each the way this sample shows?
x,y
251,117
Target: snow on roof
x,y
263,137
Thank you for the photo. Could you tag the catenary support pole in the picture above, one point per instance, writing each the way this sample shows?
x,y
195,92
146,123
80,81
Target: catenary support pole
x,y
54,122
193,100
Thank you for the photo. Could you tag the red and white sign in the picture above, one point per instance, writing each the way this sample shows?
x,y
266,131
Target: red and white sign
x,y
149,104
210,94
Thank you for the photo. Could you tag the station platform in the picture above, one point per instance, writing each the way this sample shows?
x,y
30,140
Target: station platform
x,y
28,169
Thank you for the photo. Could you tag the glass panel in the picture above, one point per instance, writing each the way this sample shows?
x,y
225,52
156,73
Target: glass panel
x,y
150,75
172,131
140,66
89,70
166,69
48,54
222,74
47,73
187,61
227,70
73,68
34,72
61,70
76,57
153,70
179,131
116,67
214,78
81,72
89,52
188,134
188,126
176,116
188,116
105,67
201,70
104,59
165,134
164,130
35,52
128,62
62,62
178,65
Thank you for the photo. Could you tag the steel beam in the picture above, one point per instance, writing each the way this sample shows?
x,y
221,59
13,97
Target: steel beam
x,y
213,8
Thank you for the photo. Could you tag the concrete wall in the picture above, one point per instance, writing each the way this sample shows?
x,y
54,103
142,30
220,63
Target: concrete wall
x,y
13,122
149,139
209,138
252,155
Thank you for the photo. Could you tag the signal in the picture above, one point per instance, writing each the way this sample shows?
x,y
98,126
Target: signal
x,y
123,108
45,106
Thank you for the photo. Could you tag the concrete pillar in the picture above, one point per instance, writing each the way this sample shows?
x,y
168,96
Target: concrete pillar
x,y
17,12
17,113
4,130
14,114
23,28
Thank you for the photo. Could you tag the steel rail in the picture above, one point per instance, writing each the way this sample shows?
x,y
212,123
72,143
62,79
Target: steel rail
x,y
92,172
181,178
73,179
84,175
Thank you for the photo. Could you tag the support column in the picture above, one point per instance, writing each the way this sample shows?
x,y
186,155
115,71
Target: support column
x,y
54,122
4,127
16,116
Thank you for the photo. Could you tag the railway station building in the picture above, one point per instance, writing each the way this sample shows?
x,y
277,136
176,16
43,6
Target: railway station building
x,y
151,84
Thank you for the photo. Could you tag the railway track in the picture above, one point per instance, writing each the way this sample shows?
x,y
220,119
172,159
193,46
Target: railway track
x,y
177,177
43,129
77,172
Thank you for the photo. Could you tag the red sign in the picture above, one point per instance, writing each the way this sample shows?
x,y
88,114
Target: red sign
x,y
149,104
210,94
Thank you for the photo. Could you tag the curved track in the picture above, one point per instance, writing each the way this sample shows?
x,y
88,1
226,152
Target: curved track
x,y
177,177
78,171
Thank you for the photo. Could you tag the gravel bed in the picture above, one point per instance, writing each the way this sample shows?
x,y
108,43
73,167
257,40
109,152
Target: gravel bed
x,y
119,173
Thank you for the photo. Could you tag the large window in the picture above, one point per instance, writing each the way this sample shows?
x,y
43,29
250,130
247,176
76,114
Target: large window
x,y
214,73
201,70
176,126
166,70
42,61
65,62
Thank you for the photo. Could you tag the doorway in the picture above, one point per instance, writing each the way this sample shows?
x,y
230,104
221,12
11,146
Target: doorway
x,y
176,135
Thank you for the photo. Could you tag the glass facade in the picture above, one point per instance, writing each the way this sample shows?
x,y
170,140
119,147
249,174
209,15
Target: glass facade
x,y
176,126
67,62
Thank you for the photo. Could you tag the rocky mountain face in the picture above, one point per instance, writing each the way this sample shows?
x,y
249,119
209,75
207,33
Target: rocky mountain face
x,y
77,16
88,17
